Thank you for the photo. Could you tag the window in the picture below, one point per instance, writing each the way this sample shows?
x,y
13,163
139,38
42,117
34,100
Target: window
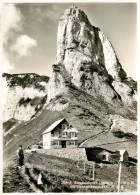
x,y
55,142
64,134
73,134
72,142
64,126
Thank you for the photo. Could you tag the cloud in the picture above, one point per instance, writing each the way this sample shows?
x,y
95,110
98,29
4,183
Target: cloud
x,y
12,26
6,65
50,12
23,45
11,19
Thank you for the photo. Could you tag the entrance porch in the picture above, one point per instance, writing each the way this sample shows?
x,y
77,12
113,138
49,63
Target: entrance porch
x,y
61,143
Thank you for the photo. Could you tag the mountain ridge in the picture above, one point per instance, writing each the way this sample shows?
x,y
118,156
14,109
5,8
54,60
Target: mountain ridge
x,y
88,87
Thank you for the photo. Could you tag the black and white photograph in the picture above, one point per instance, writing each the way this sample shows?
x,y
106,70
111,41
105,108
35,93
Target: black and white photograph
x,y
69,97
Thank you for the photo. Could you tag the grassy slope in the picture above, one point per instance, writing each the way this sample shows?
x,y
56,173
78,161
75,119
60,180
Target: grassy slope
x,y
60,174
88,114
66,170
9,124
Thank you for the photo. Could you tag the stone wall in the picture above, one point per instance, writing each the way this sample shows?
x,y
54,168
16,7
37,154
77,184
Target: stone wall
x,y
71,153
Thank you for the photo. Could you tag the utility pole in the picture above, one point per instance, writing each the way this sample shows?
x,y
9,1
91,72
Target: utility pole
x,y
119,177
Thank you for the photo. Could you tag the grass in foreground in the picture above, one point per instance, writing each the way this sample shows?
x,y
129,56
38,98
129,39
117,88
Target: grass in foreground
x,y
69,176
65,175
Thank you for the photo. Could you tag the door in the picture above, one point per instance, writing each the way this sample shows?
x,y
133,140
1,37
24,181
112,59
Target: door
x,y
63,144
104,157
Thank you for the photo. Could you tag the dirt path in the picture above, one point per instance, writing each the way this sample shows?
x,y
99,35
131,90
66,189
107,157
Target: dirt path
x,y
62,175
20,180
14,182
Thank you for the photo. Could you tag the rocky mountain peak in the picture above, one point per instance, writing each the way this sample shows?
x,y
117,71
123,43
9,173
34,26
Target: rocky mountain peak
x,y
74,13
86,59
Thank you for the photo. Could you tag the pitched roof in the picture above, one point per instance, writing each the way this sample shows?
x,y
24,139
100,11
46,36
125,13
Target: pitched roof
x,y
50,128
103,139
108,141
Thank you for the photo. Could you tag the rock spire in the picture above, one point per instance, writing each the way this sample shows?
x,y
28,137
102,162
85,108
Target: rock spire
x,y
86,59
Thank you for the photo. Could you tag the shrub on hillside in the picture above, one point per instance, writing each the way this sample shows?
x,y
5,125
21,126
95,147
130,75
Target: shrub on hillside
x,y
121,134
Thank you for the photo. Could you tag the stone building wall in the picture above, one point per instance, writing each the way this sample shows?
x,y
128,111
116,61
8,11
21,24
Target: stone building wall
x,y
71,153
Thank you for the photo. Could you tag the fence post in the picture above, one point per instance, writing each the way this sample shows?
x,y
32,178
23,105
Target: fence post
x,y
84,166
119,177
78,161
93,171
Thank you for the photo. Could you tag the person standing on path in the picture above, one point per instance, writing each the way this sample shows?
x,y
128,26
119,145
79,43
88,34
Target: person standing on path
x,y
20,156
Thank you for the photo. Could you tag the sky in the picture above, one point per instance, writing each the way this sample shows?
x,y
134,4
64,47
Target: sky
x,y
29,32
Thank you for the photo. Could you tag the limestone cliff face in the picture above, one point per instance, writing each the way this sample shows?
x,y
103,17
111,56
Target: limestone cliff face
x,y
86,59
25,95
